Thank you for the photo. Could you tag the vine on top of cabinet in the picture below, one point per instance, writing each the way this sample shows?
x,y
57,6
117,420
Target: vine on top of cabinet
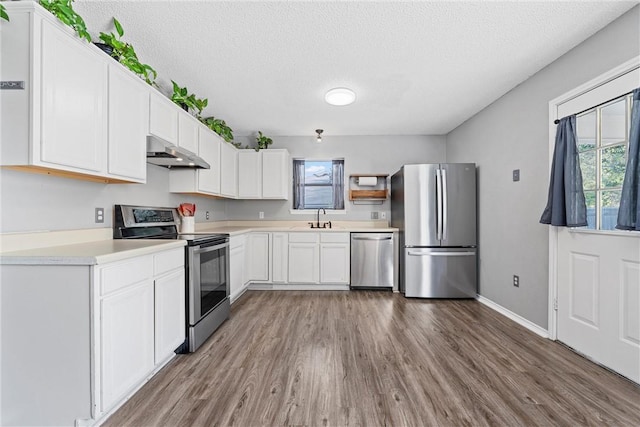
x,y
58,123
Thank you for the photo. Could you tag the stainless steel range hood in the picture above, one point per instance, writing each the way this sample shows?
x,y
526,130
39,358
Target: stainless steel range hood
x,y
163,153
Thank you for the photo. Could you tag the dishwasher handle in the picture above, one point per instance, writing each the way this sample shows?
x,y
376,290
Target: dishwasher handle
x,y
373,238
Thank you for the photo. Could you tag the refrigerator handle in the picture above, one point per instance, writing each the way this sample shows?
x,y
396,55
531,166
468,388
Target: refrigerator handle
x,y
445,213
438,204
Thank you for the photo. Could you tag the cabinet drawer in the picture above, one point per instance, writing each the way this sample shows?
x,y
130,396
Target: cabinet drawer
x,y
125,273
304,237
167,261
335,237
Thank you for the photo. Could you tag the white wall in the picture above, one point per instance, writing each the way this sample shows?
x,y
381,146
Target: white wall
x,y
32,202
362,154
512,133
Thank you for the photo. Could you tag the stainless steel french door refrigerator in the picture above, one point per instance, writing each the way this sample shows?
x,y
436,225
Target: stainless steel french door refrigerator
x,y
434,207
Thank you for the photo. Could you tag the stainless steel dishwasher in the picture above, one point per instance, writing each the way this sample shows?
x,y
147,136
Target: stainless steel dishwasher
x,y
372,260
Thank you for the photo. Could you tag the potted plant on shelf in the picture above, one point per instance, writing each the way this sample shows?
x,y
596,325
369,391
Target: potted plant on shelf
x,y
263,142
188,101
124,53
3,13
220,127
63,10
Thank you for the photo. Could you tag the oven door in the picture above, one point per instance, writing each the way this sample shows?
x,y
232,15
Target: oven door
x,y
208,278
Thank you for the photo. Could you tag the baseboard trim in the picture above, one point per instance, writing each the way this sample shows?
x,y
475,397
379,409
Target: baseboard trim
x,y
513,316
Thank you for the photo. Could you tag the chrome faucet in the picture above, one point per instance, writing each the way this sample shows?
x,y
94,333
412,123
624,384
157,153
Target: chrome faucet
x,y
318,217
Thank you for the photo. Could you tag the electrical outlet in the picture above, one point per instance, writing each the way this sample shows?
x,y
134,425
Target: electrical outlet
x,y
374,215
516,281
516,174
99,215
383,215
261,215
207,216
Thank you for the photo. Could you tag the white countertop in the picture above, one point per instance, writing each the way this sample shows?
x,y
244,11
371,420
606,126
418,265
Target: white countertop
x,y
233,228
88,253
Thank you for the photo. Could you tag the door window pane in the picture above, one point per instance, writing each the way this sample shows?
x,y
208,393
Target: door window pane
x,y
613,120
613,166
586,130
609,211
588,167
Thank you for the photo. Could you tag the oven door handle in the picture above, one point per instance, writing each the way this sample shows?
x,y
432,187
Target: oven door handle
x,y
201,250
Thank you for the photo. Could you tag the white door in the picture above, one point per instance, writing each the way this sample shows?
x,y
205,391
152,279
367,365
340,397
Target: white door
x,y
169,314
128,124
303,262
598,273
334,262
249,174
74,103
209,148
126,340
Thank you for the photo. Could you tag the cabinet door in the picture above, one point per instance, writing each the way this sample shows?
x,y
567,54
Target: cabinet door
x,y
163,118
249,174
169,314
236,267
209,149
74,103
188,127
303,262
128,124
228,170
279,257
275,174
126,340
257,252
335,262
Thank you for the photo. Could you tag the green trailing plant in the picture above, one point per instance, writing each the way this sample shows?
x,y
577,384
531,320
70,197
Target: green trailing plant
x,y
126,54
220,127
183,98
63,10
3,13
263,142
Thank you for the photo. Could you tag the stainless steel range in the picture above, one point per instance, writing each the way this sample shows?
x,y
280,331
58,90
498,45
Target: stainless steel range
x,y
206,265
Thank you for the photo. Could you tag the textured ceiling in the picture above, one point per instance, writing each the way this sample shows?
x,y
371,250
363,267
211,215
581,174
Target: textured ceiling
x,y
418,68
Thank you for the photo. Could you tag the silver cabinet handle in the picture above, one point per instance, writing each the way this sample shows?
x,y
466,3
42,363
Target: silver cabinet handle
x,y
445,212
441,253
438,204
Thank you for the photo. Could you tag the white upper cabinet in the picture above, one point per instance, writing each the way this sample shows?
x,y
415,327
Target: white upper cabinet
x,y
61,121
228,171
128,124
209,149
188,127
74,101
249,174
163,118
275,174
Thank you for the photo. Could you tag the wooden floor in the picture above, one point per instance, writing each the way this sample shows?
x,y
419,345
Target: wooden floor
x,y
374,359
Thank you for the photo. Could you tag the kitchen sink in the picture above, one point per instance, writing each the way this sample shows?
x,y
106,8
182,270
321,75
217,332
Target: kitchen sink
x,y
308,227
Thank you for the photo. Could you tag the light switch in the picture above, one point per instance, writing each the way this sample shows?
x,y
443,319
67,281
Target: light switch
x,y
516,174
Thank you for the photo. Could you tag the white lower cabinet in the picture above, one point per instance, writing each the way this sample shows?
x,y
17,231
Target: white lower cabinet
x,y
95,334
236,266
304,258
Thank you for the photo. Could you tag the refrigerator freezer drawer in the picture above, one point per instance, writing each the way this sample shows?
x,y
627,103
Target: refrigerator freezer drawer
x,y
440,273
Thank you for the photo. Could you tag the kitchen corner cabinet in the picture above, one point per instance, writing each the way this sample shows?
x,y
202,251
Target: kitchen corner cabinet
x,y
58,122
105,329
228,171
200,181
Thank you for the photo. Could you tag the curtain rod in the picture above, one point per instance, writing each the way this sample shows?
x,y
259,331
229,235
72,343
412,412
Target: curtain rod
x,y
556,121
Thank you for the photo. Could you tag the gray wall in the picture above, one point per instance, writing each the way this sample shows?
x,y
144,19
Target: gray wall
x,y
362,154
512,133
32,202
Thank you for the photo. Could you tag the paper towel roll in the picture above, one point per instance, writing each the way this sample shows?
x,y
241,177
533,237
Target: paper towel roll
x,y
367,181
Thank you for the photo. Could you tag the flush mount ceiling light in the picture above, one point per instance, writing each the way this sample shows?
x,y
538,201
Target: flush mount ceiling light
x,y
319,135
340,96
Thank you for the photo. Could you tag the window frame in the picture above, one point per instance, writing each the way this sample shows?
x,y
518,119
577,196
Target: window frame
x,y
598,150
313,211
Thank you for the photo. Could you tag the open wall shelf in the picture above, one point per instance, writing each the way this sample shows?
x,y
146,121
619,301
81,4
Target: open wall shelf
x,y
373,188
